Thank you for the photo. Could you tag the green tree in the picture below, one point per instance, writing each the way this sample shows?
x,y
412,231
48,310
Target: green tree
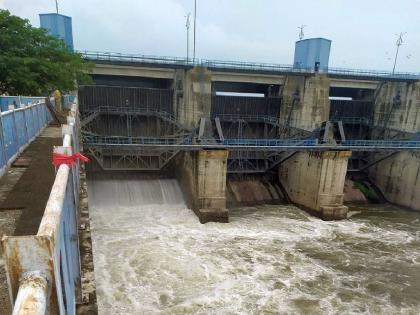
x,y
35,63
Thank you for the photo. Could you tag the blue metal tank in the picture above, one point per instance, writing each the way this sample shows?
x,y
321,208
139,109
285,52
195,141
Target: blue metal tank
x,y
312,54
58,25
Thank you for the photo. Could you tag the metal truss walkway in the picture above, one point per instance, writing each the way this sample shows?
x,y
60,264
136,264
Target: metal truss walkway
x,y
95,112
188,144
295,132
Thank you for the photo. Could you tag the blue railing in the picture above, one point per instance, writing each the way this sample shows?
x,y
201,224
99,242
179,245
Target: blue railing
x,y
18,127
121,140
248,66
269,142
19,101
22,101
137,58
383,143
44,269
187,143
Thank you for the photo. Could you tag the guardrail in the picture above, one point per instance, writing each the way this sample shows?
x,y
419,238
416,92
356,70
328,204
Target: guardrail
x,y
188,143
383,143
137,58
18,128
245,66
19,101
43,270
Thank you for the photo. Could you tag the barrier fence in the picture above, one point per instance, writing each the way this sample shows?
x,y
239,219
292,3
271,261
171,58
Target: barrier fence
x,y
244,66
18,127
22,101
43,270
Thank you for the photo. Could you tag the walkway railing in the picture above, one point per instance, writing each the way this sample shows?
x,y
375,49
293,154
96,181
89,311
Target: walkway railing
x,y
137,58
19,101
18,127
188,143
43,270
244,66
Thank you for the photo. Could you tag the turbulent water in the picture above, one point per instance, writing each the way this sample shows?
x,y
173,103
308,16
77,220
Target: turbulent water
x,y
152,256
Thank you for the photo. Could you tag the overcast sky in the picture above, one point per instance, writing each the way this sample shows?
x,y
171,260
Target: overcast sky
x,y
362,31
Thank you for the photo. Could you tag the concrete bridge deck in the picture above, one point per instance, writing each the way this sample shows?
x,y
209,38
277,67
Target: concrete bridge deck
x,y
237,66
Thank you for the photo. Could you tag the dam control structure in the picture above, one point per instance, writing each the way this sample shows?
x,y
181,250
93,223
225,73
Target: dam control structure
x,y
206,120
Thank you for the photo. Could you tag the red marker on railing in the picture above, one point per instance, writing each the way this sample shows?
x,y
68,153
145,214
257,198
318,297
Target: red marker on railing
x,y
59,159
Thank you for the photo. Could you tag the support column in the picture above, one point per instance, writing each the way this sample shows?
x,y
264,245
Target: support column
x,y
398,178
315,181
306,101
202,175
397,107
196,97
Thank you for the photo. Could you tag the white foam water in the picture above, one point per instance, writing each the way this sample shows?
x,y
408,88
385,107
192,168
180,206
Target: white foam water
x,y
152,256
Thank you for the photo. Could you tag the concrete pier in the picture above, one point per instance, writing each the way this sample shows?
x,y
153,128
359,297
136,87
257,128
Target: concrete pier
x,y
398,177
315,181
202,176
305,101
196,96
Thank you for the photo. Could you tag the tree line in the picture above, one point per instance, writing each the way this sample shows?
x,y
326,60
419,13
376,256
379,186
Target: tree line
x,y
35,63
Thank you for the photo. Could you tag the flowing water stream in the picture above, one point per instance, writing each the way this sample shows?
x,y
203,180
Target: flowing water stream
x,y
152,256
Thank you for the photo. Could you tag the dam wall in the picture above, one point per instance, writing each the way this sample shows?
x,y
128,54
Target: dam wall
x,y
398,178
202,175
253,190
305,101
239,104
397,109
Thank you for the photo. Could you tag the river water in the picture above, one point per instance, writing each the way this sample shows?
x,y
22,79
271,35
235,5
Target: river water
x,y
152,256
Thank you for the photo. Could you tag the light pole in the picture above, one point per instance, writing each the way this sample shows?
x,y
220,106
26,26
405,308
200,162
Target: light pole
x,y
56,5
195,23
301,34
187,26
398,43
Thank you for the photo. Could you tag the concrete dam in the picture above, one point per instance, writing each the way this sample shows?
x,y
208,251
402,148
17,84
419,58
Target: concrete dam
x,y
219,188
258,156
209,125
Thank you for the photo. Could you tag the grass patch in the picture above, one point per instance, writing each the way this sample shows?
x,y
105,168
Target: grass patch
x,y
367,191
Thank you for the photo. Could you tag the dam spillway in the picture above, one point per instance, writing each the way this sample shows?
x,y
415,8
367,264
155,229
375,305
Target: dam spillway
x,y
152,256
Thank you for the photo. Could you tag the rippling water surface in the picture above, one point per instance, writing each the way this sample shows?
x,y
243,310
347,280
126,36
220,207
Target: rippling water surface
x,y
152,256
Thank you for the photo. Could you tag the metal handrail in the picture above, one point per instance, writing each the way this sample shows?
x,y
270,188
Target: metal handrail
x,y
352,120
258,118
188,143
111,56
145,111
241,65
46,266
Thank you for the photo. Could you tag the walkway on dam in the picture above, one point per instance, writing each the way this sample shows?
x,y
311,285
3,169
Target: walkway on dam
x,y
24,191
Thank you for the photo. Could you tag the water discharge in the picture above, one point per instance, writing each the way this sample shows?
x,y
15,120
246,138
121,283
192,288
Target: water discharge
x,y
152,256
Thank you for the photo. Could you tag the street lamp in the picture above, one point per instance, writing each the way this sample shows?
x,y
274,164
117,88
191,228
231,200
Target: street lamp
x,y
398,43
301,34
187,26
195,22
